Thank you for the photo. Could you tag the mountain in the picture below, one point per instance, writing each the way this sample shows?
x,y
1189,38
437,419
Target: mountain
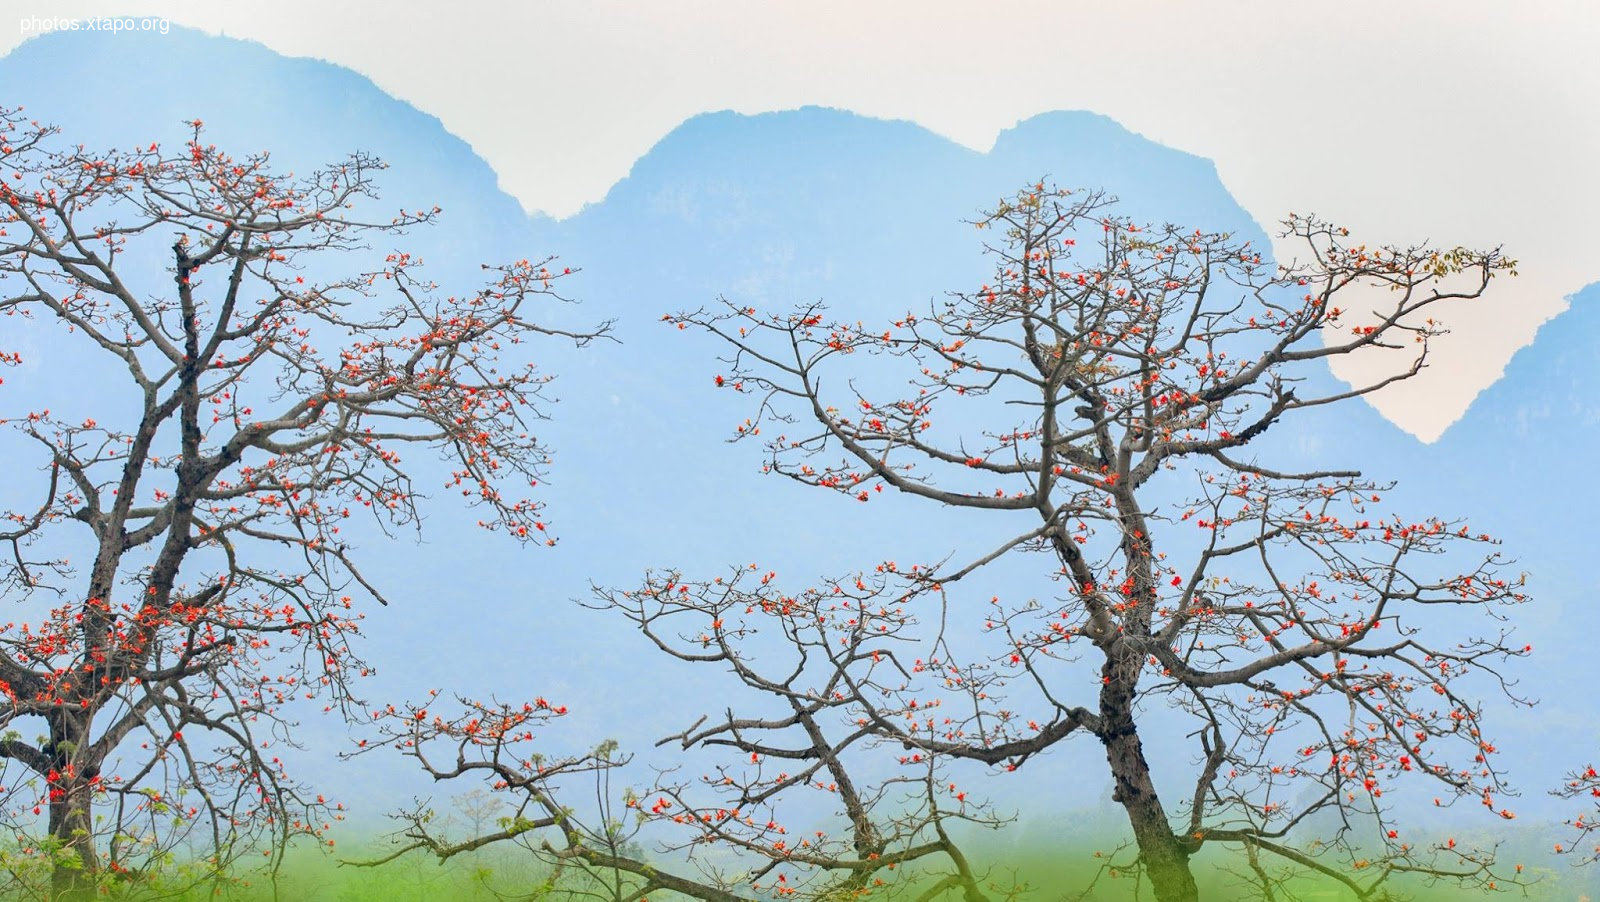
x,y
1520,454
305,112
773,210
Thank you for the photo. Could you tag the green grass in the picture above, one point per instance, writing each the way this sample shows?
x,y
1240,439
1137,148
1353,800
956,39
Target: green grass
x,y
1048,874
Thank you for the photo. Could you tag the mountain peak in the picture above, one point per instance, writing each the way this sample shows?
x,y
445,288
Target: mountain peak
x,y
1551,385
306,112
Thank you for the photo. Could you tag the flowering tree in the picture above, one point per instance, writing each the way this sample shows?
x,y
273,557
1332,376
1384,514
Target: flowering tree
x,y
1117,393
262,408
1583,784
741,830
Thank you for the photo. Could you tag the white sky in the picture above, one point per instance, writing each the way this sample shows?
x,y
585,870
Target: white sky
x,y
1458,122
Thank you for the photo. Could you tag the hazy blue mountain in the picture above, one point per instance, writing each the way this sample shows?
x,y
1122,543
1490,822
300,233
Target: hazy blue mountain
x,y
1536,417
773,209
1519,456
147,86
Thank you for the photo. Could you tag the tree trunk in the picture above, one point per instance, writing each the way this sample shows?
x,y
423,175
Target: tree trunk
x,y
1164,855
71,814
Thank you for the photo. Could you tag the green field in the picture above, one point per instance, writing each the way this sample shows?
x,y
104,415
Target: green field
x,y
512,873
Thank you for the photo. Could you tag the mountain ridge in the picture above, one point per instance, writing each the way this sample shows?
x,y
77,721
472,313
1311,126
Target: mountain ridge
x,y
776,208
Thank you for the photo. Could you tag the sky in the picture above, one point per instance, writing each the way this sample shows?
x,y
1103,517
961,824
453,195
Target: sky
x,y
1473,127
1458,123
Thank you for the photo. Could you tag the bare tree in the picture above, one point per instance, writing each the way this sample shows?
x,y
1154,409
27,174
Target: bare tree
x,y
268,407
478,809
